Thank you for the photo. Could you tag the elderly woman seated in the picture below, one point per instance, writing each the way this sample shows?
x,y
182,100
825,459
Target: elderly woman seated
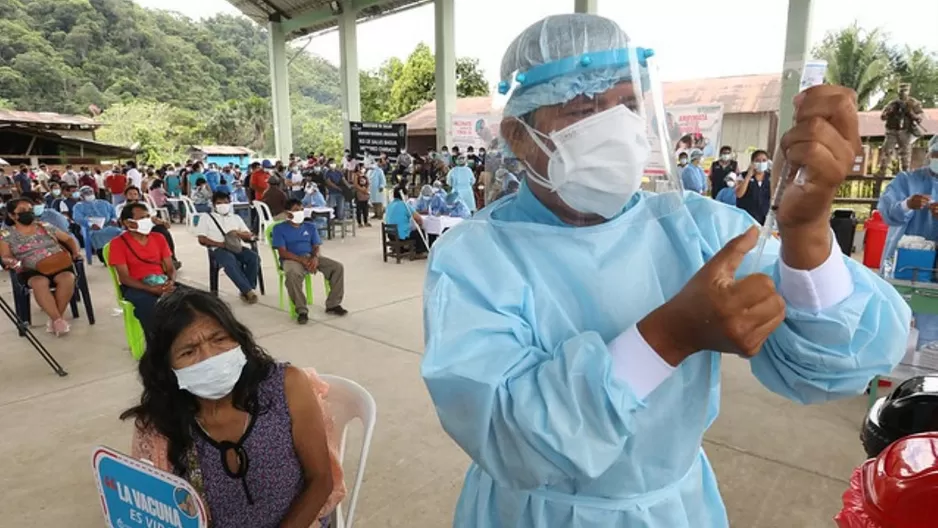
x,y
250,434
405,219
456,207
41,254
97,217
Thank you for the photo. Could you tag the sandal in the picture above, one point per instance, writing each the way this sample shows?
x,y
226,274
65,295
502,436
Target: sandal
x,y
61,327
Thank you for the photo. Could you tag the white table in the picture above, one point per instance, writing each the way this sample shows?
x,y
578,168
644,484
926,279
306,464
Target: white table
x,y
436,225
319,210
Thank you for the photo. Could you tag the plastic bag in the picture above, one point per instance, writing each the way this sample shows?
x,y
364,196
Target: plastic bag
x,y
854,515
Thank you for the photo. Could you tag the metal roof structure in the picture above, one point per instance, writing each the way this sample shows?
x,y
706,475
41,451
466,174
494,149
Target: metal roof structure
x,y
46,119
221,150
310,17
102,149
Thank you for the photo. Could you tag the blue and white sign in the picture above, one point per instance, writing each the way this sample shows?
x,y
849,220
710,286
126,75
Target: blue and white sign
x,y
135,494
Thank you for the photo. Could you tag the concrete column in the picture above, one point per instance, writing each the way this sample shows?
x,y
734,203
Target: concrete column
x,y
280,90
348,70
585,6
445,69
797,51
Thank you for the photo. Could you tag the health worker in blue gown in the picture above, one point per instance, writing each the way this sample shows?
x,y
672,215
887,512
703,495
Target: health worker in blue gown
x,y
461,179
575,330
910,206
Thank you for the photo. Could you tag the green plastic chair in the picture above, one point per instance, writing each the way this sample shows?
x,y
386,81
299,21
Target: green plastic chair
x,y
132,327
282,278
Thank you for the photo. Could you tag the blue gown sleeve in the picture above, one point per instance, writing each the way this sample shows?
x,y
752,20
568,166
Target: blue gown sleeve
x,y
689,179
818,357
890,203
78,214
528,416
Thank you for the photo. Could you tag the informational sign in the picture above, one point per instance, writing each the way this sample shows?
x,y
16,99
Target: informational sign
x,y
689,127
474,130
135,494
375,139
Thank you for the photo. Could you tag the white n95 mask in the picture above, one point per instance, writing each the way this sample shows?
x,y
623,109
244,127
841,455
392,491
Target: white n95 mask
x,y
214,378
144,226
598,163
298,217
223,209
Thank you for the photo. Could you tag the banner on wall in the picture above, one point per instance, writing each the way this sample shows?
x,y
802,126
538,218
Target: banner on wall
x,y
135,494
375,139
474,130
689,127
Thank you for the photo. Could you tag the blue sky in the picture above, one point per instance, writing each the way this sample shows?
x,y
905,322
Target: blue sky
x,y
693,39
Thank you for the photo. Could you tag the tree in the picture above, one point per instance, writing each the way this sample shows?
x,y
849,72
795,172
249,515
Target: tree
x,y
160,132
919,68
470,79
857,59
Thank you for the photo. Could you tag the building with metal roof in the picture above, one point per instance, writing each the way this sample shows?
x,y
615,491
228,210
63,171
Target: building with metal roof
x,y
66,125
32,145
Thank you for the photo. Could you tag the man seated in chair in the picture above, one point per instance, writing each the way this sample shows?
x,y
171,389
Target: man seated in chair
x,y
224,233
160,226
405,220
275,198
298,243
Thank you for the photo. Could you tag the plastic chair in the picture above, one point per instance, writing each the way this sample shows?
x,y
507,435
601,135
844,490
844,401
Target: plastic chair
x,y
86,237
22,299
190,211
136,339
161,212
282,277
264,217
348,401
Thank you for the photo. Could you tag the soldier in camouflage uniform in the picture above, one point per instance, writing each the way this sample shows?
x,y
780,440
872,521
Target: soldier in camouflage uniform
x,y
903,117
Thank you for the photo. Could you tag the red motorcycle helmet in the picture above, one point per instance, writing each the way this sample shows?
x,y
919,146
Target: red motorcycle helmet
x,y
897,489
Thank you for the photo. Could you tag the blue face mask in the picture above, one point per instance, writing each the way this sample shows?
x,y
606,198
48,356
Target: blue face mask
x,y
39,209
76,195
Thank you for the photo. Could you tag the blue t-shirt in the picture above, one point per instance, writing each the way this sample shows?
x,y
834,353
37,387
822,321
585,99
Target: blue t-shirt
x,y
194,177
172,185
297,239
399,215
24,181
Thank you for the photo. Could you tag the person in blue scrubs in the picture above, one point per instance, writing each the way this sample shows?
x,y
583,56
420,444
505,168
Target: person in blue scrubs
x,y
456,206
424,200
377,181
727,194
575,331
693,176
461,179
910,206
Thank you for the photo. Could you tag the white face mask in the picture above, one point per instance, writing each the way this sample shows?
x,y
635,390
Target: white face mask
x,y
731,184
762,166
724,157
298,216
223,208
89,198
598,164
214,378
144,226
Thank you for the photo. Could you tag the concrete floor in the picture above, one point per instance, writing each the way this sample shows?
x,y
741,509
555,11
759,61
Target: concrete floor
x,y
779,464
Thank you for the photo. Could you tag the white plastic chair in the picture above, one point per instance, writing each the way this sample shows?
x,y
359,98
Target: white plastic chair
x,y
161,212
348,401
264,217
190,211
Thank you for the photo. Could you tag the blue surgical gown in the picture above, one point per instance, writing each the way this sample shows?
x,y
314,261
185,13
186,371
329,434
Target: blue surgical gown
x,y
694,178
461,180
423,204
85,210
518,311
918,223
376,183
316,199
438,205
458,209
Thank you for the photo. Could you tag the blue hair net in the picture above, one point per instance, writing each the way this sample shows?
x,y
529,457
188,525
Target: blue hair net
x,y
561,37
696,154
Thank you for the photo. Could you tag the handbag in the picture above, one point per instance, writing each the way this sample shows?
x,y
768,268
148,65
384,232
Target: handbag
x,y
232,240
54,263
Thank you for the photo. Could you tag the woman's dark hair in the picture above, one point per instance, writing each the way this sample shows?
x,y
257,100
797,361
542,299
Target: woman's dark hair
x,y
166,408
131,188
400,192
218,196
756,153
199,181
156,184
127,213
11,208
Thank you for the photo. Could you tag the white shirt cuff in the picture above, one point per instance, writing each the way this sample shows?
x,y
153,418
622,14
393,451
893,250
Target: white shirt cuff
x,y
818,289
637,364
905,206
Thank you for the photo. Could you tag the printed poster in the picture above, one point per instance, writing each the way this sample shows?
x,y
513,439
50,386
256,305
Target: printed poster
x,y
135,494
474,130
689,127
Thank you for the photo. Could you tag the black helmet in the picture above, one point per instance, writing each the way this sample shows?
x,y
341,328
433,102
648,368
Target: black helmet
x,y
911,408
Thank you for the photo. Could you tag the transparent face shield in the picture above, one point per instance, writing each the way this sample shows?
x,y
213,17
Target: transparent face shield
x,y
587,133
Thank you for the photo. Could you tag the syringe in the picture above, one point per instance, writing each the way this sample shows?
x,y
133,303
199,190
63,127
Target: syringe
x,y
770,219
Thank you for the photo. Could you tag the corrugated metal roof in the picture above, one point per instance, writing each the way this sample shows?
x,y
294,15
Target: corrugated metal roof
x,y
222,150
103,148
46,118
261,11
872,126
